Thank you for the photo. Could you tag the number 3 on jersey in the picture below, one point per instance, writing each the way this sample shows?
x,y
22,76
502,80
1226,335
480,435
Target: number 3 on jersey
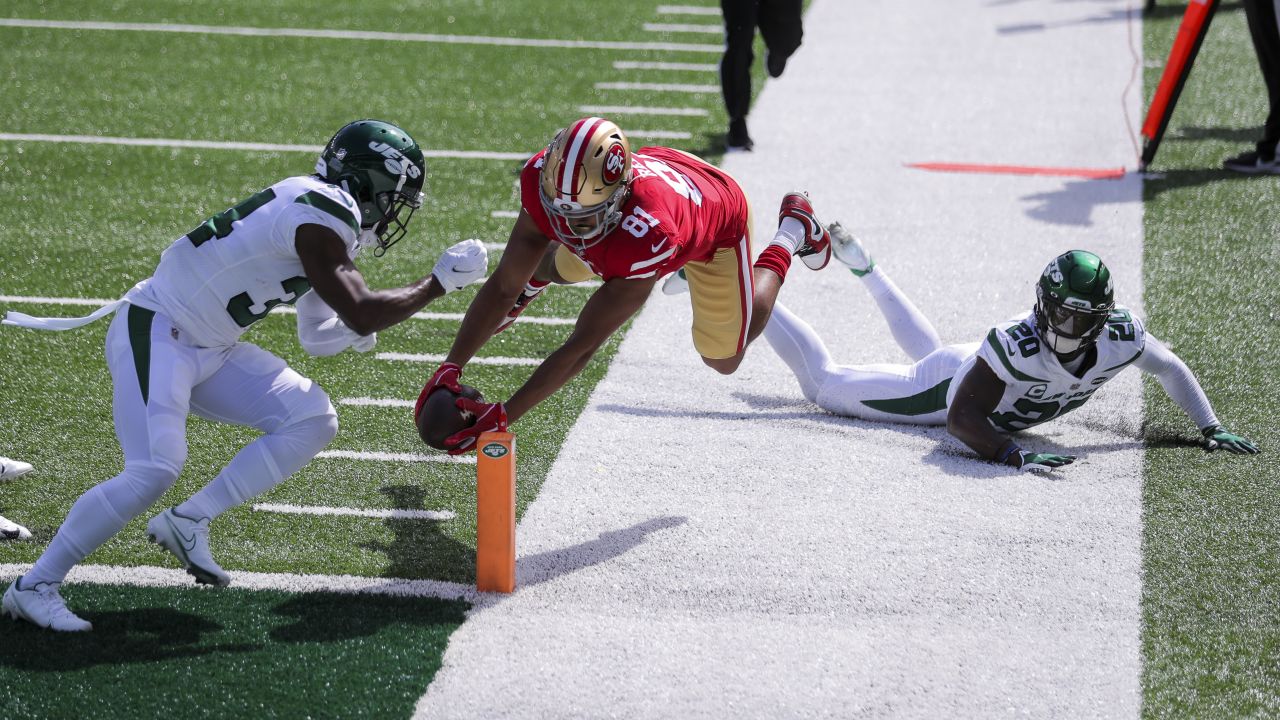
x,y
639,222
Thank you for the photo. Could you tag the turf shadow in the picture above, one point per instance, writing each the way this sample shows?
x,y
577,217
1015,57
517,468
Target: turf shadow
x,y
142,635
421,549
336,617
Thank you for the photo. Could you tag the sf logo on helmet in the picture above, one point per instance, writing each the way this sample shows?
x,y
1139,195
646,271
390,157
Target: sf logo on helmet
x,y
614,162
396,163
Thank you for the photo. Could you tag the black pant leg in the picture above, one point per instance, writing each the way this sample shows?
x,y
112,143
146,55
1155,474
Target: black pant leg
x,y
1265,29
735,67
781,26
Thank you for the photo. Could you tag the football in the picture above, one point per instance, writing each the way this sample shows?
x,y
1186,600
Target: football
x,y
441,418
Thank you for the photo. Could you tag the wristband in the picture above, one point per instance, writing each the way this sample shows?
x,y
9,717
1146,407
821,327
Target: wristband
x,y
1002,457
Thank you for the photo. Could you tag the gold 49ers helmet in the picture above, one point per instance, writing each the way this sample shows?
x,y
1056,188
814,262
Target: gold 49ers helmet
x,y
584,181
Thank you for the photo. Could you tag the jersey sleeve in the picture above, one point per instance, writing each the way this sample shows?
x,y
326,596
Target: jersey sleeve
x,y
1004,349
326,205
530,199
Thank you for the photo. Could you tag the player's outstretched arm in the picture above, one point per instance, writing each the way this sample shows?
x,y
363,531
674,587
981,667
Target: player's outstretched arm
x,y
606,311
977,397
1182,387
524,251
337,281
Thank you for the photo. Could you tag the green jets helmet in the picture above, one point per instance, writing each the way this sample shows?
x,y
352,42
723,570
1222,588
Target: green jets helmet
x,y
1073,300
383,169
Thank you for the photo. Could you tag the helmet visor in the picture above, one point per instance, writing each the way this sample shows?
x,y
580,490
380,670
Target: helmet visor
x,y
577,226
1074,323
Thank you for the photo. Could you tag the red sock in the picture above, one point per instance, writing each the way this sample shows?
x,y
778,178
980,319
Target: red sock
x,y
775,258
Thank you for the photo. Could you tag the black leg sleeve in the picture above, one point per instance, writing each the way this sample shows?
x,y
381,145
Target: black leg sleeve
x,y
735,66
1264,27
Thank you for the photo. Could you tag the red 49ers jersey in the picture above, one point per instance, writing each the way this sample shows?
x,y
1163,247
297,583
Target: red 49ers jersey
x,y
681,209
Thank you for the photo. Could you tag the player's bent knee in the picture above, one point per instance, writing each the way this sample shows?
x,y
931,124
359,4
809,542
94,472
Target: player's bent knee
x,y
724,366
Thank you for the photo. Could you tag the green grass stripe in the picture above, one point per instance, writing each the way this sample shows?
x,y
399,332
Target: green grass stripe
x,y
191,653
1210,636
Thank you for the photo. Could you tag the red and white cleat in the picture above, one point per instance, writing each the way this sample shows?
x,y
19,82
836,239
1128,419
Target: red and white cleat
x,y
815,251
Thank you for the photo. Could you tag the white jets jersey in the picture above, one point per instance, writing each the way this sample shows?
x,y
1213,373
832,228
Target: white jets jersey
x,y
220,278
1037,387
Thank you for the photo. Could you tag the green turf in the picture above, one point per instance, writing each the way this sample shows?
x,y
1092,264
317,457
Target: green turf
x,y
1211,639
179,652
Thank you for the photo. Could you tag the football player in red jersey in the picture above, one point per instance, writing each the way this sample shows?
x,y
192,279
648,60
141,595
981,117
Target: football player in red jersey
x,y
592,208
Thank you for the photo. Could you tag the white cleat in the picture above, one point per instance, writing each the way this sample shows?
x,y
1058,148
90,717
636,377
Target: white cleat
x,y
676,283
42,606
10,530
188,540
13,469
848,250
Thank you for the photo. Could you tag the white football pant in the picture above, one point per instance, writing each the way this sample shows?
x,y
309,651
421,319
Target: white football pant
x,y
913,393
159,379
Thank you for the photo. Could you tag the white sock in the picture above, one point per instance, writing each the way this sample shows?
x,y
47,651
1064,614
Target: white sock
x,y
911,329
261,465
791,235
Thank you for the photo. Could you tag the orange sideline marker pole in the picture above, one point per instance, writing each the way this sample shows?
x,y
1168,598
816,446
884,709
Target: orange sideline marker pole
x,y
496,512
1195,24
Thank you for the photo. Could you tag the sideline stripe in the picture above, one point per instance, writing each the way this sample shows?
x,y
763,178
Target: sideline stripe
x,y
680,28
1092,173
226,145
644,65
245,580
357,35
412,357
355,512
373,456
285,310
658,87
630,110
660,134
376,402
688,10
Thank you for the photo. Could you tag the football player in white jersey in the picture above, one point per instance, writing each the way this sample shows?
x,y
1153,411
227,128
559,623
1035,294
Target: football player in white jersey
x,y
173,348
1024,372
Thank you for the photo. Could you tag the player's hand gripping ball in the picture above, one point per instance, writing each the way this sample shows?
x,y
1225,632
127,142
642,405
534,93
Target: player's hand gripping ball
x,y
440,416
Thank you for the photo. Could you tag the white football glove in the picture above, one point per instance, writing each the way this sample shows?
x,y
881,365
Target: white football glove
x,y
461,265
364,343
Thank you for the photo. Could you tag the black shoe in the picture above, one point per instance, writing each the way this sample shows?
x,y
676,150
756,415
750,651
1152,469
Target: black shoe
x,y
738,140
1252,163
775,64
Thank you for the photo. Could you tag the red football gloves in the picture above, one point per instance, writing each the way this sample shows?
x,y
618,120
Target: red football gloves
x,y
489,416
447,376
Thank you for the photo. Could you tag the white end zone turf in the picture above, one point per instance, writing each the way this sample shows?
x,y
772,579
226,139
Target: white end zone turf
x,y
718,547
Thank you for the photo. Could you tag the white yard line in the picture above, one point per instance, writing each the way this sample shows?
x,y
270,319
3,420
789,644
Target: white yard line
x,y
685,28
229,145
505,213
245,580
652,65
285,310
376,402
438,515
660,134
432,358
658,87
357,35
881,572
375,456
641,110
688,10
